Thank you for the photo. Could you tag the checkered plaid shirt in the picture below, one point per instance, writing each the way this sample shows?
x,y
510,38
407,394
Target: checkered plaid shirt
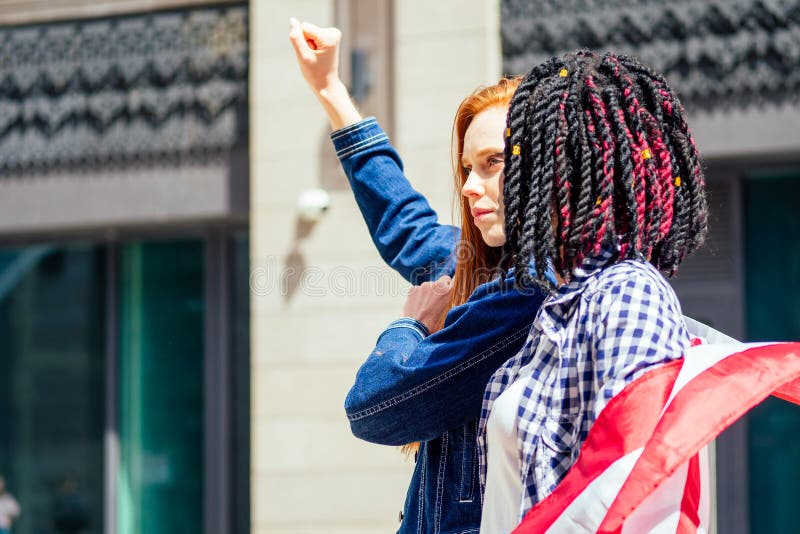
x,y
602,330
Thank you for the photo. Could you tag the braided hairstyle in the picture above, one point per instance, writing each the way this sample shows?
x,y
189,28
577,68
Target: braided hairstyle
x,y
598,155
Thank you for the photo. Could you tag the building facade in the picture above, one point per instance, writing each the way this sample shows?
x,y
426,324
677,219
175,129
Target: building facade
x,y
177,340
172,363
124,302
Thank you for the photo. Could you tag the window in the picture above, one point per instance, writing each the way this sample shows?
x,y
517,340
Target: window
x,y
52,329
772,290
125,384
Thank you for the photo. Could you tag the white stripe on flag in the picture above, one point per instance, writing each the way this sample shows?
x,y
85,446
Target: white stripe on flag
x,y
588,509
660,512
698,359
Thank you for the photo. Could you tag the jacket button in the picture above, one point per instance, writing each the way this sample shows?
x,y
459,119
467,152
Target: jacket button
x,y
400,516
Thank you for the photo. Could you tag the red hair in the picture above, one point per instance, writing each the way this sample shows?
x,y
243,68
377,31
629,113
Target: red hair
x,y
476,260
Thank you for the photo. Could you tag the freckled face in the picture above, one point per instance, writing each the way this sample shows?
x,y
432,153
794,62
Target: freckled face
x,y
483,162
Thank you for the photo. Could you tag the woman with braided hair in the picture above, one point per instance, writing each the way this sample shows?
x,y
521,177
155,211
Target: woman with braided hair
x,y
424,381
603,183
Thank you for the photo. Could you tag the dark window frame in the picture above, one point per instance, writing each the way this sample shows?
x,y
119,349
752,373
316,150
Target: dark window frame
x,y
226,485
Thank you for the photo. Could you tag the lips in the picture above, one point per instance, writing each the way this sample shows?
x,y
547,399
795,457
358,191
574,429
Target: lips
x,y
479,213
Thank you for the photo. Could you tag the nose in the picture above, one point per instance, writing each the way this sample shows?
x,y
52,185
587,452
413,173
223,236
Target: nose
x,y
473,186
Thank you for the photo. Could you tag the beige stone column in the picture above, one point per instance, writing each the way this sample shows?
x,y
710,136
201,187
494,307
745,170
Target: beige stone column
x,y
309,474
444,50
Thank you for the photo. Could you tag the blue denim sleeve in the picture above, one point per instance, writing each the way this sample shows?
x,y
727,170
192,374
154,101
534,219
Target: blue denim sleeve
x,y
403,226
414,389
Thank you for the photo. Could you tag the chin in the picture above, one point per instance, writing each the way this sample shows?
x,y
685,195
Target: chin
x,y
494,239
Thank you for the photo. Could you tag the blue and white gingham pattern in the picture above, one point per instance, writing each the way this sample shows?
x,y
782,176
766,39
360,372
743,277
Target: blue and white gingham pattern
x,y
602,330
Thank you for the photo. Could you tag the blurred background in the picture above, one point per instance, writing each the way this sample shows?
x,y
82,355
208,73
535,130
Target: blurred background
x,y
176,340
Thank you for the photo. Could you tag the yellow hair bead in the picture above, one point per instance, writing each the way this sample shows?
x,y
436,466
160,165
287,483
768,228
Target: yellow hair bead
x,y
598,202
508,132
563,74
515,149
645,153
677,181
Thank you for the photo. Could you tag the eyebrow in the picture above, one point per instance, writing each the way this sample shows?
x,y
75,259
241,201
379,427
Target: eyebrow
x,y
493,151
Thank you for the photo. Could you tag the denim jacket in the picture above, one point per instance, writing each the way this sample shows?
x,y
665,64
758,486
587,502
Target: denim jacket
x,y
419,387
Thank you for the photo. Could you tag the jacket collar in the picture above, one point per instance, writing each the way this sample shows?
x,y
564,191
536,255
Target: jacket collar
x,y
589,268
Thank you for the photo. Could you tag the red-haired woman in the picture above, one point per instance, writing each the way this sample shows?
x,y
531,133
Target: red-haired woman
x,y
425,379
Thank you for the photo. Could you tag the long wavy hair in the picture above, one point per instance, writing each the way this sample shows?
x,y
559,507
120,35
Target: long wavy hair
x,y
475,260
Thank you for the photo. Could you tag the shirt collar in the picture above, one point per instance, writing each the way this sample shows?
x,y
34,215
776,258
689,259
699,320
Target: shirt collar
x,y
589,268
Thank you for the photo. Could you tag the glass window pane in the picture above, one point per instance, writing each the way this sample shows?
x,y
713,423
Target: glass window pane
x,y
52,334
161,387
773,313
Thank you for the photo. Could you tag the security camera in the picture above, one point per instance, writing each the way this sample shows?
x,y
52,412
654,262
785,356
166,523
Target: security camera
x,y
312,203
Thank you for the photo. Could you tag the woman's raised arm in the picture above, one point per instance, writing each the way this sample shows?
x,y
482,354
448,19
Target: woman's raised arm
x,y
405,229
317,51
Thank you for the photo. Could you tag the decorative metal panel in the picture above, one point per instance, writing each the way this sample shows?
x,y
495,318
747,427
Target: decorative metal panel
x,y
159,88
717,53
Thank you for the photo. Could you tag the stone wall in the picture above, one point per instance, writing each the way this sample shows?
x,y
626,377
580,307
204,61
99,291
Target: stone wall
x,y
309,474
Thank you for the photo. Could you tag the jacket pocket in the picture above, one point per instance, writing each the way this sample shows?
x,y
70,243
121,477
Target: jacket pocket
x,y
469,462
555,453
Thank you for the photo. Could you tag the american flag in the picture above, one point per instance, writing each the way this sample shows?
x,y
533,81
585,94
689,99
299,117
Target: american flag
x,y
644,464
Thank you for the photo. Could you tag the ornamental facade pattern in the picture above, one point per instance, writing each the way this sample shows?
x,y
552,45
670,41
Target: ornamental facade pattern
x,y
716,53
147,89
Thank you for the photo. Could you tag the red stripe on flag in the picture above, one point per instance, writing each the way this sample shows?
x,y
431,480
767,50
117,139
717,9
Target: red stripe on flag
x,y
702,409
624,425
789,392
690,518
